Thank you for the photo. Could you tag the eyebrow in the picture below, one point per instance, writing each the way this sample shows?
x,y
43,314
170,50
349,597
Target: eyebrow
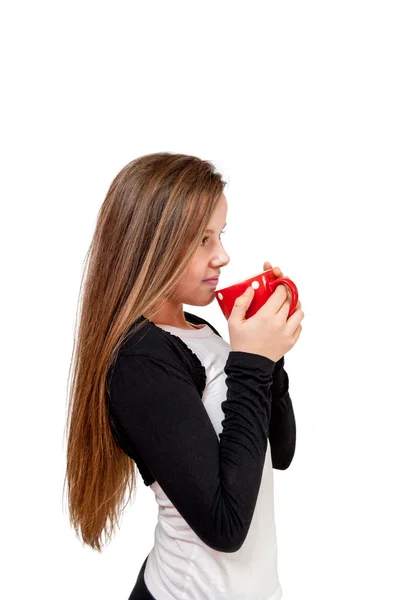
x,y
212,230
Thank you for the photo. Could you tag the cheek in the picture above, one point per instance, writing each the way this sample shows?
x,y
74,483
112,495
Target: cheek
x,y
194,273
189,280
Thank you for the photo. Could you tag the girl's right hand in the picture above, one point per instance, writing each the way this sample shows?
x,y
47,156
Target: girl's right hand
x,y
268,332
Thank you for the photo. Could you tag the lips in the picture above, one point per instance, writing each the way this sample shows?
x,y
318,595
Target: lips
x,y
214,279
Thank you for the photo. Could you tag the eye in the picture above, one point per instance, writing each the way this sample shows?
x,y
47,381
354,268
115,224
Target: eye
x,y
206,238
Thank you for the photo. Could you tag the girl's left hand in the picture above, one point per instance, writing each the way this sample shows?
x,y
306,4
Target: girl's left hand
x,y
277,273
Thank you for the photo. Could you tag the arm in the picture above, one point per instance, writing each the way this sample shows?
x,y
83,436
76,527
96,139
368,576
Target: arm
x,y
213,484
282,429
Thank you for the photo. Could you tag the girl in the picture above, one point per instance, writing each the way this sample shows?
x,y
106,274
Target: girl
x,y
157,388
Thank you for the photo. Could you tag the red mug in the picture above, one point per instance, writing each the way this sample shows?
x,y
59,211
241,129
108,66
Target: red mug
x,y
263,284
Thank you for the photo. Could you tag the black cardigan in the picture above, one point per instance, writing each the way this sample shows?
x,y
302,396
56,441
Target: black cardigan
x,y
156,414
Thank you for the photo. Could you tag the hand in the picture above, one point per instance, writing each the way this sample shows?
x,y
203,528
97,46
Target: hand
x,y
277,273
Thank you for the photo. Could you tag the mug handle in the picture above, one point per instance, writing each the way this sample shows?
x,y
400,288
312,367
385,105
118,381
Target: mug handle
x,y
293,288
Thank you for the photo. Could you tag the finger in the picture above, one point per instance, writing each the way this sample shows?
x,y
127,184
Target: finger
x,y
276,271
289,297
289,293
276,301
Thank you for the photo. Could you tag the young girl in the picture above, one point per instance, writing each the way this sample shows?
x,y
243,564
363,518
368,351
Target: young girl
x,y
158,388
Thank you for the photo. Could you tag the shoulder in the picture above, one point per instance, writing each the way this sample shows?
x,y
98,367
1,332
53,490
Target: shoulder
x,y
145,339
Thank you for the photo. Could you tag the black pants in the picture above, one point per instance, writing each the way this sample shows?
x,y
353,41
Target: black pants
x,y
140,591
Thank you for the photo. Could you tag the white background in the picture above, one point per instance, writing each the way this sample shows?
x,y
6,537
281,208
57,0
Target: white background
x,y
298,104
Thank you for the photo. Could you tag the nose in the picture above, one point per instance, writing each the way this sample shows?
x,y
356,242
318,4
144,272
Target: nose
x,y
222,260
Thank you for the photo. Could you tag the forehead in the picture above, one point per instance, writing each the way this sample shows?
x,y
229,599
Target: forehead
x,y
212,230
219,214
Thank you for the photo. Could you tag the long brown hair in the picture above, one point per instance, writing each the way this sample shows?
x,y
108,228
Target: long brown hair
x,y
148,228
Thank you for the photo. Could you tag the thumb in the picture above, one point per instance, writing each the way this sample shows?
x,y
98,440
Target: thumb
x,y
241,304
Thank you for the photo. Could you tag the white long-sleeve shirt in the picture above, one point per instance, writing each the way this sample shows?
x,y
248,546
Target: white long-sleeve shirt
x,y
199,432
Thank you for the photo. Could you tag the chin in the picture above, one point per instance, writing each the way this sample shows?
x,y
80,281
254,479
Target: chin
x,y
205,302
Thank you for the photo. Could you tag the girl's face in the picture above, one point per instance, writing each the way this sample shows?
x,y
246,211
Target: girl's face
x,y
207,262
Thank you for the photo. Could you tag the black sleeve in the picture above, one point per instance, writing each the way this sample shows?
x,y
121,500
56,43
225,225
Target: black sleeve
x,y
212,483
282,428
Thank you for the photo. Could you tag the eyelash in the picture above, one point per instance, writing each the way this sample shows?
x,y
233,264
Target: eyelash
x,y
206,238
